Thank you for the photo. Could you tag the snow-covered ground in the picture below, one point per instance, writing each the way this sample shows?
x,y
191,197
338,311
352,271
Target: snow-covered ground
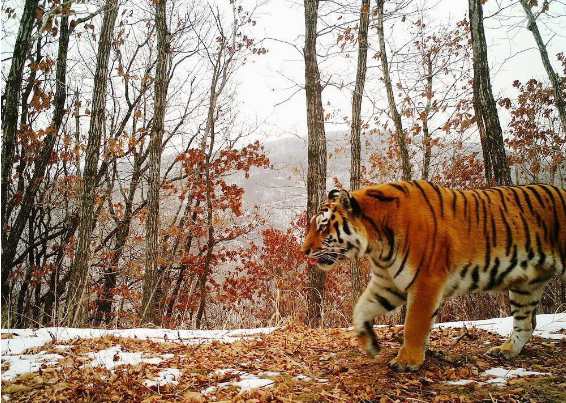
x,y
29,338
548,325
498,376
20,340
15,342
246,381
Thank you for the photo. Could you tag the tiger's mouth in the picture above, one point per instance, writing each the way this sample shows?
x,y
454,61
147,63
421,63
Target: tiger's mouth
x,y
324,259
327,260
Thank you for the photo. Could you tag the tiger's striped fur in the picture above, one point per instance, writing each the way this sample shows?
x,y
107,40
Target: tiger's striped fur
x,y
426,242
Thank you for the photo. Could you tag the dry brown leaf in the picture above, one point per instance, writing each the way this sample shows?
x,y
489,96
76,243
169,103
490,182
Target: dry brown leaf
x,y
192,397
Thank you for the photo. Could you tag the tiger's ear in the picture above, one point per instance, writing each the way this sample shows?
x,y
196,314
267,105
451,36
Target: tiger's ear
x,y
344,199
339,196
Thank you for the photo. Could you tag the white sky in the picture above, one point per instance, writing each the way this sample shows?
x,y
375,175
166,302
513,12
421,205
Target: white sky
x,y
263,83
266,81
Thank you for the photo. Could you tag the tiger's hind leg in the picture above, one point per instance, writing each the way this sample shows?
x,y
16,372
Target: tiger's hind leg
x,y
523,308
434,319
380,296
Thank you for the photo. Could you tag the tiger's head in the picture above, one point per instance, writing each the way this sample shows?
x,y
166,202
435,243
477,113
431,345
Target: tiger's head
x,y
335,232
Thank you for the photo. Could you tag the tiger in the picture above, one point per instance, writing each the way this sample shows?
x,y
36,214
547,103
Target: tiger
x,y
426,242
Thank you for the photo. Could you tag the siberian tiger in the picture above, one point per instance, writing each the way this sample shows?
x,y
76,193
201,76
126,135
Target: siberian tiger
x,y
426,242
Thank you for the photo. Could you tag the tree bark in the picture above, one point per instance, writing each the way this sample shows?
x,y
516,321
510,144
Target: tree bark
x,y
216,87
21,317
152,280
400,135
426,132
10,246
76,301
11,97
495,161
106,298
210,242
559,101
316,173
188,215
10,101
355,140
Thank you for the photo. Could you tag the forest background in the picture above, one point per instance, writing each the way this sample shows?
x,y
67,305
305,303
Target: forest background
x,y
154,157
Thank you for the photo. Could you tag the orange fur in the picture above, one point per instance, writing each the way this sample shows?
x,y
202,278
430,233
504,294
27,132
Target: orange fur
x,y
427,242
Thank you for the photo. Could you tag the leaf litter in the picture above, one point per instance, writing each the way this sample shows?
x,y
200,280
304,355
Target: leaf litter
x,y
294,363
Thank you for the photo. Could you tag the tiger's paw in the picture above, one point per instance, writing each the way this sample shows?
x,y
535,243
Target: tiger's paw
x,y
406,361
505,350
367,340
366,344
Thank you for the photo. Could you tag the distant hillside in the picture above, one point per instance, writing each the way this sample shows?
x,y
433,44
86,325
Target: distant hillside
x,y
281,191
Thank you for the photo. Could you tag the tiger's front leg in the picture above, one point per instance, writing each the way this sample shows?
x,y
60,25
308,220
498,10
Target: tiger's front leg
x,y
424,299
380,296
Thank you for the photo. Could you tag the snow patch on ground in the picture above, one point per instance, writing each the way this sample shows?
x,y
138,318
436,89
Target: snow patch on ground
x,y
108,358
305,378
244,381
502,375
269,374
460,382
29,338
21,364
113,356
548,325
250,381
12,349
165,376
498,376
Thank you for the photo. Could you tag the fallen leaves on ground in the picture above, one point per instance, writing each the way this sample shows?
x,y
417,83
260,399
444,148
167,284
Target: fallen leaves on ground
x,y
310,365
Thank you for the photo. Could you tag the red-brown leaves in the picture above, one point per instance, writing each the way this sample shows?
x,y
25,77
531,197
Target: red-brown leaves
x,y
536,144
304,365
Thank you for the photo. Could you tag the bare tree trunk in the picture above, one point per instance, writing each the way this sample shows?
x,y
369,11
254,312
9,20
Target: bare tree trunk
x,y
106,298
40,260
152,280
10,101
209,246
426,132
76,302
11,97
210,227
221,70
11,245
187,248
77,113
216,88
559,101
316,173
21,318
400,135
483,138
355,141
496,165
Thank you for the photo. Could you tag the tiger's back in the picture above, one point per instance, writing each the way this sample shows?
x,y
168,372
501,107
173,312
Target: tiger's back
x,y
487,239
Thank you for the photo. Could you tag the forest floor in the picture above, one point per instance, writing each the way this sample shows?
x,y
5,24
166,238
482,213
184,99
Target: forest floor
x,y
287,364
